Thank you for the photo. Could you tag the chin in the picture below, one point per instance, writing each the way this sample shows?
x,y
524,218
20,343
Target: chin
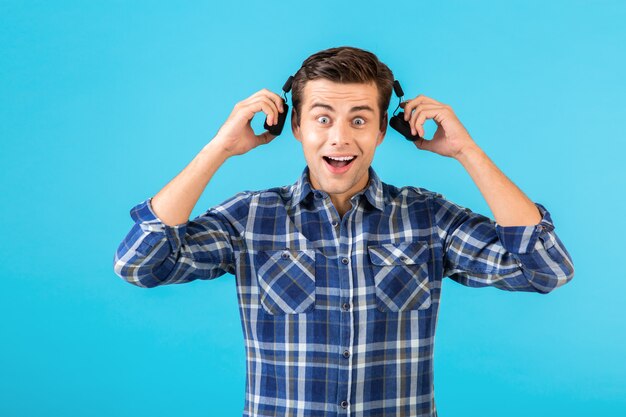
x,y
338,186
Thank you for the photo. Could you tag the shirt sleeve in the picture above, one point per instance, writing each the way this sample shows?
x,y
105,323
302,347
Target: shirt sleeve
x,y
154,253
478,252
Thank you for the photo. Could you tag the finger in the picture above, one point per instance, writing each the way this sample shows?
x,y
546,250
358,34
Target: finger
x,y
275,108
273,117
266,137
409,105
422,112
269,107
419,117
423,144
278,101
280,104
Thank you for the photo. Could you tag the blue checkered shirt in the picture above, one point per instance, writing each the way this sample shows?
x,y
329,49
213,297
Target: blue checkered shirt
x,y
339,314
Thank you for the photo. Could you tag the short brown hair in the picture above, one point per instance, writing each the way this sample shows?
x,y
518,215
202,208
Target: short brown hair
x,y
343,64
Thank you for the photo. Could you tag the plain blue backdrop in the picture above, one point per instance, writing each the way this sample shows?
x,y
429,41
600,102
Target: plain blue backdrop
x,y
103,103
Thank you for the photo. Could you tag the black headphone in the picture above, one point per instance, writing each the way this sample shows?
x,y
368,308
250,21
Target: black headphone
x,y
397,121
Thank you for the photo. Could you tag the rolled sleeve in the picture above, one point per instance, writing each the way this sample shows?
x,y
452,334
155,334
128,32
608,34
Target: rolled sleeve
x,y
479,252
154,253
143,214
522,239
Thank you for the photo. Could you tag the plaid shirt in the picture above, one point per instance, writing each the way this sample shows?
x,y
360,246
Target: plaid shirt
x,y
339,314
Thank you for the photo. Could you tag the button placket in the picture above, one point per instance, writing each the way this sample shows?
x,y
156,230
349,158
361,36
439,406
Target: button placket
x,y
343,253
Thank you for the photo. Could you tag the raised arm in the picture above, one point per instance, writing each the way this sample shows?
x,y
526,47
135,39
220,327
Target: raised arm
x,y
164,246
520,250
478,252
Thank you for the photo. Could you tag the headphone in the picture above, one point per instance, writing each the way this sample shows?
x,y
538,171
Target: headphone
x,y
397,121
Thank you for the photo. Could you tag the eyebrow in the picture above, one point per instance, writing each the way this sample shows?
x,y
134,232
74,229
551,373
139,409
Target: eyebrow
x,y
329,107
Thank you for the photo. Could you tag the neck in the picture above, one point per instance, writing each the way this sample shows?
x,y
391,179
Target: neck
x,y
342,202
342,205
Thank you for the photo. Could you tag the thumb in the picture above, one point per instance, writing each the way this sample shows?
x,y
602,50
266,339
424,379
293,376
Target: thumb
x,y
423,144
266,137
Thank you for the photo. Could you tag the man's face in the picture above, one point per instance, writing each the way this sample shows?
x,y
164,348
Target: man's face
x,y
341,121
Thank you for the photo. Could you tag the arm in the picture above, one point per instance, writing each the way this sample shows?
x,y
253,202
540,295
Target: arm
x,y
478,252
509,204
174,203
520,252
163,246
154,253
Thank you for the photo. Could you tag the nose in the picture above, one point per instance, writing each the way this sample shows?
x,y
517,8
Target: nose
x,y
340,134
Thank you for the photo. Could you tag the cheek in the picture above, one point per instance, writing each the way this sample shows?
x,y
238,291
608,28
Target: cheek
x,y
367,145
311,151
312,142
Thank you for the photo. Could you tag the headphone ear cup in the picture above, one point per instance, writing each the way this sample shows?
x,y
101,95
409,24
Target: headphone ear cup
x,y
278,127
398,123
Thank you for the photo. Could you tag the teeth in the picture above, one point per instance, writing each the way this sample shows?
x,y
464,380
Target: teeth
x,y
341,158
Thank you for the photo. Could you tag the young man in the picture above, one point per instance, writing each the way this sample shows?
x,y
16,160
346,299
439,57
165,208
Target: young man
x,y
339,275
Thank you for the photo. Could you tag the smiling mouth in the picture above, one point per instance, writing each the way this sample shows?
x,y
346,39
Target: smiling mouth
x,y
339,162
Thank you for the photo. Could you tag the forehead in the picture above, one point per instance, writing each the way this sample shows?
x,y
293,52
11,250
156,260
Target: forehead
x,y
339,94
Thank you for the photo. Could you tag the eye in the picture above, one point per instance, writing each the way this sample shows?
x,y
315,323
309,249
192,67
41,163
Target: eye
x,y
322,118
362,120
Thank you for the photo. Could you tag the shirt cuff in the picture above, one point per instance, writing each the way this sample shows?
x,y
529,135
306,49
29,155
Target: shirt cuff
x,y
522,239
146,218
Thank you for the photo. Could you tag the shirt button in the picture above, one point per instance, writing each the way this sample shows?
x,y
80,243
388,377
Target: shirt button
x,y
318,195
404,258
346,306
346,353
335,223
345,261
344,404
285,255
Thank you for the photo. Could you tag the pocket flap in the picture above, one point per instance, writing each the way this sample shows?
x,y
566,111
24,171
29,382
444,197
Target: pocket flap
x,y
403,253
286,280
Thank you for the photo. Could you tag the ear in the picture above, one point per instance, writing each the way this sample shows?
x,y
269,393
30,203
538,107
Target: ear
x,y
383,131
295,128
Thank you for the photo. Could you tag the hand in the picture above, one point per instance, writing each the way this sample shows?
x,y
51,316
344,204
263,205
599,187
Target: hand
x,y
236,136
451,137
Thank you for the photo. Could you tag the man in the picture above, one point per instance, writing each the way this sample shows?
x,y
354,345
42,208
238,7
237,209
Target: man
x,y
339,275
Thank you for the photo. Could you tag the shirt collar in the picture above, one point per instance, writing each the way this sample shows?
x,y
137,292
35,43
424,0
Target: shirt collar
x,y
374,191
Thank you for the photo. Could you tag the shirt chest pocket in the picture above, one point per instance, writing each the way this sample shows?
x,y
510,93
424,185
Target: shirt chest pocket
x,y
400,273
286,280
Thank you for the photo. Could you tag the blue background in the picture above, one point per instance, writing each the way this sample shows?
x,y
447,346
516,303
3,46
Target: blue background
x,y
102,103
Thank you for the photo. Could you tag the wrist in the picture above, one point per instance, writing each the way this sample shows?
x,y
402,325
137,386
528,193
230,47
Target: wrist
x,y
216,150
468,153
